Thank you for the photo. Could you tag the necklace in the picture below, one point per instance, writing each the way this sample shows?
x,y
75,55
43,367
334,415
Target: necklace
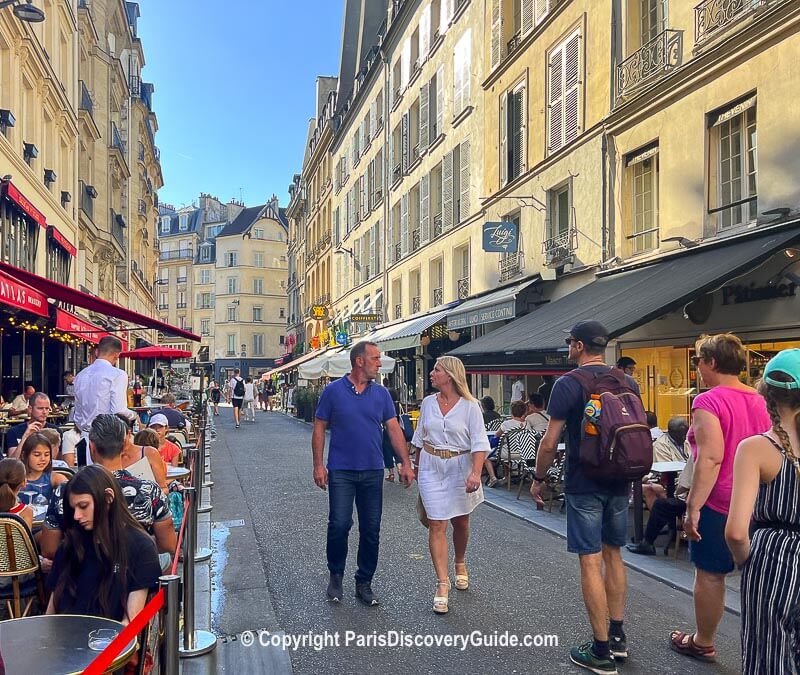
x,y
445,403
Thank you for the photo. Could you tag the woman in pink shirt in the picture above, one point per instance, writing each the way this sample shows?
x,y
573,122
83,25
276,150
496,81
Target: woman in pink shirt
x,y
722,417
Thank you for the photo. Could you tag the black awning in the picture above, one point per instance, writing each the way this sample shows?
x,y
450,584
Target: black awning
x,y
626,300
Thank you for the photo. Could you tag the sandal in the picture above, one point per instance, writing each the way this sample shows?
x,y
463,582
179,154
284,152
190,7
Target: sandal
x,y
684,643
492,482
440,601
462,580
390,477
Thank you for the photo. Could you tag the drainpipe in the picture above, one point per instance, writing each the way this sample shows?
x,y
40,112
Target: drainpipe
x,y
385,180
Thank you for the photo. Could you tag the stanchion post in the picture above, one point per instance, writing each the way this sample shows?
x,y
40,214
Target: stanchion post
x,y
200,469
198,554
168,649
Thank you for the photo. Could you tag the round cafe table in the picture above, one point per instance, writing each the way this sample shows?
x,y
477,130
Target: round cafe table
x,y
177,471
56,644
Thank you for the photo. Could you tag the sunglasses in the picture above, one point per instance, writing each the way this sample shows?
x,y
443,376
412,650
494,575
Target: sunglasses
x,y
568,341
696,360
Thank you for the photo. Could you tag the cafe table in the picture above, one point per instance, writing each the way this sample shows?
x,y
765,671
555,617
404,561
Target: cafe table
x,y
56,644
177,472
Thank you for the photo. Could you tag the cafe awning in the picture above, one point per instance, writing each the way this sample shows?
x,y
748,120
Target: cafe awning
x,y
293,364
407,334
621,301
21,296
72,296
68,322
499,305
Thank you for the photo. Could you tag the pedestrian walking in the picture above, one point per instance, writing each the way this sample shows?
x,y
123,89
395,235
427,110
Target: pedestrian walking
x,y
722,417
249,402
597,510
236,389
451,444
269,392
356,409
766,474
215,395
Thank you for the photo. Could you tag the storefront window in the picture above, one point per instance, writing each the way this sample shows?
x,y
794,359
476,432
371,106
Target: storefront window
x,y
58,261
19,236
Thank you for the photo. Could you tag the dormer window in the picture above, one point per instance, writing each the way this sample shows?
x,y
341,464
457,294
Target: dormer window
x,y
165,223
183,222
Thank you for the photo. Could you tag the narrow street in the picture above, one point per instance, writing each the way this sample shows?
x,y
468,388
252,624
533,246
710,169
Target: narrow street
x,y
522,579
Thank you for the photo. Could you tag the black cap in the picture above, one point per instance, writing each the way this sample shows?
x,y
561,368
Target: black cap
x,y
590,333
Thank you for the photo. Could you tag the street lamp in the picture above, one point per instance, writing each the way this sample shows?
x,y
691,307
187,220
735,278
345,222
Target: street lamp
x,y
24,11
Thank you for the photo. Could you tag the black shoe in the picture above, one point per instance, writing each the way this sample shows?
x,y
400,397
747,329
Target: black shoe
x,y
643,548
584,657
619,646
335,591
365,595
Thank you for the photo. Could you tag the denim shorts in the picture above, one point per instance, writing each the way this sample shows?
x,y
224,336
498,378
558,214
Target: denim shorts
x,y
711,553
594,520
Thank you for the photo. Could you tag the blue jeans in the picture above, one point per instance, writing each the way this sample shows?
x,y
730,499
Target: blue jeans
x,y
594,520
365,488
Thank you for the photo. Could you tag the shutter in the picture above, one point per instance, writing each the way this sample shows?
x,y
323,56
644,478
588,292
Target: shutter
x,y
404,225
425,209
424,113
390,169
425,33
405,141
371,185
505,101
447,191
527,16
572,85
336,227
390,238
376,235
497,34
198,302
517,126
405,64
379,110
447,15
372,244
542,10
466,68
363,187
439,101
464,206
373,118
556,101
378,169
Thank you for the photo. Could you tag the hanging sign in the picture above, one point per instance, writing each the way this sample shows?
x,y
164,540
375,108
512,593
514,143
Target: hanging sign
x,y
341,338
318,312
501,237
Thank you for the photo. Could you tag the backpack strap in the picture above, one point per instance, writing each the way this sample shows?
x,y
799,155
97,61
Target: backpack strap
x,y
585,378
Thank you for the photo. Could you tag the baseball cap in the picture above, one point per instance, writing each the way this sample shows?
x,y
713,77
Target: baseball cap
x,y
159,419
590,333
787,361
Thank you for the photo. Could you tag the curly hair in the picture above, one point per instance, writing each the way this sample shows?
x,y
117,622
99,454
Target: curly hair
x,y
787,399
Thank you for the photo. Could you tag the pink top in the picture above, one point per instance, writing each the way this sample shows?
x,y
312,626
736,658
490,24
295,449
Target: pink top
x,y
741,413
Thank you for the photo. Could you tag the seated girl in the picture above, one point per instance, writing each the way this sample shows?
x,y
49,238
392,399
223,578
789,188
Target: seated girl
x,y
12,480
36,455
141,458
106,564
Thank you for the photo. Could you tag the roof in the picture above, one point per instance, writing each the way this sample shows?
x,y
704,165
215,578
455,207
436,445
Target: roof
x,y
242,222
632,298
194,224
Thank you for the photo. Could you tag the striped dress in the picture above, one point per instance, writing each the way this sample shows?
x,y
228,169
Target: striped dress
x,y
771,579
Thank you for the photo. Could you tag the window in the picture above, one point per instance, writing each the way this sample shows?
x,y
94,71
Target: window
x,y
258,345
560,234
214,230
205,253
231,313
280,339
182,323
258,259
257,314
652,19
183,222
205,277
564,93
734,172
511,263
165,224
230,259
232,285
462,73
181,300
642,182
204,301
282,313
231,345
163,301
258,233
258,286
182,274
205,326
163,276
513,137
461,269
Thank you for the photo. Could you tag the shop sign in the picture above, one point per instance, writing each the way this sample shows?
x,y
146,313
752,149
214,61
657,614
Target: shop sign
x,y
341,338
500,237
23,297
69,323
318,312
62,241
315,342
365,318
741,293
499,312
25,204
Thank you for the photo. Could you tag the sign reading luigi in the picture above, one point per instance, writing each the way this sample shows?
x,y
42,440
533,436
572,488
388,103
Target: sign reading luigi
x,y
318,312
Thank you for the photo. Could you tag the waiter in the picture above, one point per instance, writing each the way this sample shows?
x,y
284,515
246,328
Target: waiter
x,y
99,389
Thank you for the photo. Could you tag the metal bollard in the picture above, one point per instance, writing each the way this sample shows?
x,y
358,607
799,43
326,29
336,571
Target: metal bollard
x,y
198,554
194,642
168,648
200,461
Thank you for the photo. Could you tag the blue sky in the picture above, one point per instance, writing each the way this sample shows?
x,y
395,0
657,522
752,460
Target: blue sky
x,y
235,90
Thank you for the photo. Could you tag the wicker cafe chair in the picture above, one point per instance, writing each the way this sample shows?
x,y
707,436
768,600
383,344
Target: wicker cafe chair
x,y
515,446
528,459
554,481
18,557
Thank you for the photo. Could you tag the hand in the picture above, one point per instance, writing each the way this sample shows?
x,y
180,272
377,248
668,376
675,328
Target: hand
x,y
321,477
536,493
407,474
473,482
691,524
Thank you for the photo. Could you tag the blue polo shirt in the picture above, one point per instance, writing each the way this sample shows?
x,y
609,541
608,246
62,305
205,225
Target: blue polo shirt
x,y
356,424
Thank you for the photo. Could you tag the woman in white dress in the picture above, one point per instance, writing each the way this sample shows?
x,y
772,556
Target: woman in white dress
x,y
451,444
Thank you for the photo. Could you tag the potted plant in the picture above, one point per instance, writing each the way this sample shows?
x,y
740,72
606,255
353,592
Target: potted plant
x,y
300,399
311,405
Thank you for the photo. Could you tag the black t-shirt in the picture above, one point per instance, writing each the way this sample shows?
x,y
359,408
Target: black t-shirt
x,y
567,402
490,415
143,572
15,433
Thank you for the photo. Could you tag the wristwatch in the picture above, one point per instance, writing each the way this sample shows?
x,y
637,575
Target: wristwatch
x,y
536,479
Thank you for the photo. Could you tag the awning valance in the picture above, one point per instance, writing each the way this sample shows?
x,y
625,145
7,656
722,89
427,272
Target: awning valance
x,y
293,364
407,334
498,305
81,328
21,296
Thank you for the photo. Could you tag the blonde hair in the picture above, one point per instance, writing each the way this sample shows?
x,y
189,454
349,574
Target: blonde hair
x,y
455,369
53,437
726,349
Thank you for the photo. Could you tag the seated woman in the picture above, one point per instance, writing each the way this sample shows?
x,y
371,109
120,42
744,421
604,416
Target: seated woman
x,y
518,411
12,479
36,455
106,564
141,457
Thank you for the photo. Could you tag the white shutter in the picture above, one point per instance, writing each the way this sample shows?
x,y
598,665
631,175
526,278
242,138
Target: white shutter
x,y
572,84
542,10
458,80
404,226
379,111
527,16
405,64
372,246
447,191
378,169
363,188
371,185
446,15
465,45
464,206
518,136
425,208
357,267
373,119
336,227
424,113
555,106
497,51
405,140
377,236
439,101
504,106
425,33
389,248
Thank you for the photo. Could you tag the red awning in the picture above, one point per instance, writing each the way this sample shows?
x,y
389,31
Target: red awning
x,y
73,296
74,325
24,203
22,296
61,240
157,352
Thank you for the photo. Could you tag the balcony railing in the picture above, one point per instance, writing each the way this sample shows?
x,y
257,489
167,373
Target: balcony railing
x,y
650,62
415,240
118,229
397,173
416,303
437,297
398,251
86,100
437,225
558,248
176,255
116,139
514,42
463,288
181,305
398,311
712,16
511,265
87,201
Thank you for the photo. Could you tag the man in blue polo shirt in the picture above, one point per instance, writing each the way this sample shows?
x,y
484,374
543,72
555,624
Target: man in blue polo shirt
x,y
356,409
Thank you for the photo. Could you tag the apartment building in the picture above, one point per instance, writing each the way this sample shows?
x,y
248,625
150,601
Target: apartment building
x,y
296,213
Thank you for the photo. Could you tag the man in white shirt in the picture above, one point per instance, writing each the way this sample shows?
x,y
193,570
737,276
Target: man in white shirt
x,y
517,389
100,388
236,387
20,403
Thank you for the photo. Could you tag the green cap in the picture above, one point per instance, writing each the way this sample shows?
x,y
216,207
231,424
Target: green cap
x,y
787,361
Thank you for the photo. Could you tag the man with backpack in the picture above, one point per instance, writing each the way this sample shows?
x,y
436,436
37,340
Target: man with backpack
x,y
237,389
608,445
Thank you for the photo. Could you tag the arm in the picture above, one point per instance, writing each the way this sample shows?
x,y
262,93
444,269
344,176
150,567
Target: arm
x,y
135,604
158,466
401,450
57,478
49,541
68,457
545,456
710,453
27,515
746,475
164,533
318,452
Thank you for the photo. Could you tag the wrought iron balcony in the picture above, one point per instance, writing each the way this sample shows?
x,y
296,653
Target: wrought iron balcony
x,y
650,62
437,297
416,304
713,16
398,251
511,265
116,139
86,100
514,42
397,173
560,247
176,255
118,229
415,240
398,311
463,288
437,225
